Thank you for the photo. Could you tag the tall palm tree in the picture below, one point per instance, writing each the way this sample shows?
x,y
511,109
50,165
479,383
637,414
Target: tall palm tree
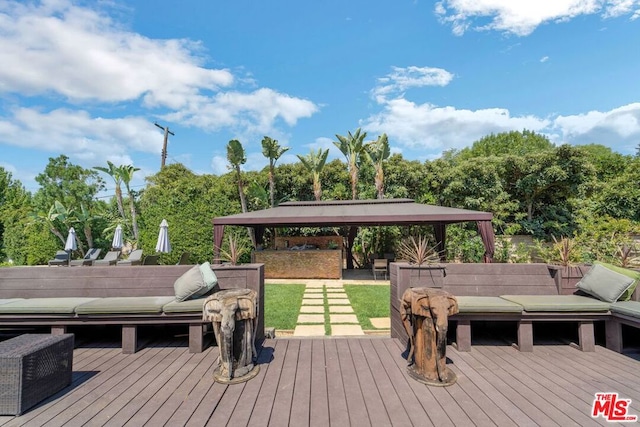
x,y
114,172
352,147
126,174
272,150
314,162
377,152
237,157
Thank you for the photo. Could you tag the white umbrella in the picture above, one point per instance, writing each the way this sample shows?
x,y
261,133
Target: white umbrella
x,y
163,244
70,245
116,243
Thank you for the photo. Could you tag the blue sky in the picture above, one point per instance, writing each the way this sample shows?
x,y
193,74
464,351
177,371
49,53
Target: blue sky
x,y
89,79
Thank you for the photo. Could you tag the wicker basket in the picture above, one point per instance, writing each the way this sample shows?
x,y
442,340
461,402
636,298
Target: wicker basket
x,y
32,368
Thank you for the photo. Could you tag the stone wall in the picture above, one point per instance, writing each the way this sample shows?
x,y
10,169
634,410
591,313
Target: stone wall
x,y
321,242
309,264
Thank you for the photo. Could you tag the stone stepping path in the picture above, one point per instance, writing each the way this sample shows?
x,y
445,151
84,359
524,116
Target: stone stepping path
x,y
337,315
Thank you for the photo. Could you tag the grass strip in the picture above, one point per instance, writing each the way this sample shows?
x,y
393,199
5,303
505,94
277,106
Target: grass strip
x,y
327,318
282,304
368,301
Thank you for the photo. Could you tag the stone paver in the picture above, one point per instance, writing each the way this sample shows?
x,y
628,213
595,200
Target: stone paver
x,y
340,309
309,331
311,301
381,322
343,318
344,330
310,295
311,318
338,301
312,309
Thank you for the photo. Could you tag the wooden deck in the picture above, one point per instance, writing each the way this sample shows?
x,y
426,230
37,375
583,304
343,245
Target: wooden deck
x,y
338,382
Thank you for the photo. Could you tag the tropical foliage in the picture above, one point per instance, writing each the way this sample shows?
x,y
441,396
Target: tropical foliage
x,y
588,194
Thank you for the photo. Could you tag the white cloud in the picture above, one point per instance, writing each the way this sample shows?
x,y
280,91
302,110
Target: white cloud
x,y
219,165
523,17
78,135
442,128
82,54
402,79
620,126
544,59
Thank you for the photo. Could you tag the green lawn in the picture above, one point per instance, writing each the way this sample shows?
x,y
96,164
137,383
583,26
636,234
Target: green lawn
x,y
282,305
368,301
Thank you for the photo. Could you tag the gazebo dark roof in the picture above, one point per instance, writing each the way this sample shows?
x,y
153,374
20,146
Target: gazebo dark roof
x,y
357,213
352,212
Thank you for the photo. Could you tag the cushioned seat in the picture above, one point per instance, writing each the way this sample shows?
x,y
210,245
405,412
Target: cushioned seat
x,y
188,306
561,303
629,308
6,300
123,305
481,304
64,305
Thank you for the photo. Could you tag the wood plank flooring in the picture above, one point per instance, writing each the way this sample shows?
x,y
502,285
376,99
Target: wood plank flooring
x,y
337,382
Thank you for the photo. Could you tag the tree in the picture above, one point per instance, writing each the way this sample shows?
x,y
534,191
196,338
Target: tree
x,y
15,206
237,157
126,174
115,173
273,151
314,162
506,143
72,187
352,147
377,152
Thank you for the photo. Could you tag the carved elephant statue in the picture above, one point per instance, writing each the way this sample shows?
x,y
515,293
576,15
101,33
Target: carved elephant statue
x,y
233,315
425,315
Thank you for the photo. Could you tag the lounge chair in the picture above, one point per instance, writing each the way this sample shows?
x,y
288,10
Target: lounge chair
x,y
379,266
135,258
184,258
60,258
89,257
109,259
150,260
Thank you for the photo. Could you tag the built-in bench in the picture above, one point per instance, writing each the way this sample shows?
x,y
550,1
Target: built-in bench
x,y
127,297
622,313
521,293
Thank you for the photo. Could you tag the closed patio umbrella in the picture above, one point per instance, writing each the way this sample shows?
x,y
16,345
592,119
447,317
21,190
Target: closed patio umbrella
x,y
163,244
116,243
70,245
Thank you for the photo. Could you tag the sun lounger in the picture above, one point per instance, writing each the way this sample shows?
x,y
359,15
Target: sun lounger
x,y
61,258
109,259
91,255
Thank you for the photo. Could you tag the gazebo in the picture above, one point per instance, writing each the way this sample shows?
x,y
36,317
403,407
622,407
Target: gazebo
x,y
356,213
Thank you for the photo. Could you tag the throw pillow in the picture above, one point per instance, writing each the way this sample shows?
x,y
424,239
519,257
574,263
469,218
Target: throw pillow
x,y
626,295
189,284
210,280
604,284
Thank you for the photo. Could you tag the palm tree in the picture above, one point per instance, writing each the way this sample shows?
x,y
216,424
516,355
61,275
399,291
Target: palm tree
x,y
126,174
114,172
352,147
272,150
236,157
314,163
377,152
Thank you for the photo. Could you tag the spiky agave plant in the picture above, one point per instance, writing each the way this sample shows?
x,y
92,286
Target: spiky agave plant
x,y
418,251
235,251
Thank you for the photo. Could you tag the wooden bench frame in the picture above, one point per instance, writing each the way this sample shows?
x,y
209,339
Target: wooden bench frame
x,y
495,280
613,329
111,281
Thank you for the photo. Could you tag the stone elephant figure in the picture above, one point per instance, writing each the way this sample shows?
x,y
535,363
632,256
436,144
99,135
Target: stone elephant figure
x,y
425,315
233,313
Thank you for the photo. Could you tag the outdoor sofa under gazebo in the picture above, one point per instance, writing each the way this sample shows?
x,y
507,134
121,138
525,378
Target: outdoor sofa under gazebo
x,y
353,214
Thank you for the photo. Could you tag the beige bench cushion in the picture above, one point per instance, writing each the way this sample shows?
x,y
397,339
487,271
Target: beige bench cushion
x,y
563,303
124,305
6,300
66,305
188,306
629,308
480,304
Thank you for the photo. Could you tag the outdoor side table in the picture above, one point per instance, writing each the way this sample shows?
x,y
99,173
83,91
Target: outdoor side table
x,y
32,368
